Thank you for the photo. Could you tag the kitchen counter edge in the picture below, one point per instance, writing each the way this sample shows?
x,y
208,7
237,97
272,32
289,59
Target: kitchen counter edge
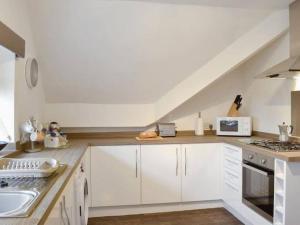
x,y
237,141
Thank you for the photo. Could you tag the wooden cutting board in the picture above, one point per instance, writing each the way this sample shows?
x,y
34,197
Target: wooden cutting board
x,y
149,139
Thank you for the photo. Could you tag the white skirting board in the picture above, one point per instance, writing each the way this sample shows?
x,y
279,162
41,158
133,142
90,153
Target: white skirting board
x,y
157,208
247,216
237,215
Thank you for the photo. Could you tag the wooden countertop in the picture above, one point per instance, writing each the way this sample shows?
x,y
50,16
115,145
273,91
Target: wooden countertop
x,y
72,156
286,156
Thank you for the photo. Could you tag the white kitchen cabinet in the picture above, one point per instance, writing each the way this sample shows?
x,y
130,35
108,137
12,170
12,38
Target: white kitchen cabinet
x,y
232,176
68,202
115,173
65,210
232,187
62,212
87,168
201,173
56,215
286,190
161,173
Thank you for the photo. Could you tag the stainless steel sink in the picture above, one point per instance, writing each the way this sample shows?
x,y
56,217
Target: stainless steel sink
x,y
22,195
16,203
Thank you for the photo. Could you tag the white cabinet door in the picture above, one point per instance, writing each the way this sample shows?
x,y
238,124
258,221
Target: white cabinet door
x,y
68,202
232,176
87,169
115,175
55,216
62,213
160,167
201,173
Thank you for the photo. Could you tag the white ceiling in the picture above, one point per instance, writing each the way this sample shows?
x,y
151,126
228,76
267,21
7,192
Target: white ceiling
x,y
121,52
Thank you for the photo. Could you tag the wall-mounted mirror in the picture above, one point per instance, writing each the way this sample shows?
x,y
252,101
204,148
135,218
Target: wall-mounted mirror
x,y
296,112
31,72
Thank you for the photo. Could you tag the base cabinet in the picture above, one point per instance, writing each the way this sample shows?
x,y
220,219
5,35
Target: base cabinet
x,y
161,174
201,173
115,172
155,174
232,176
65,210
62,212
56,215
232,186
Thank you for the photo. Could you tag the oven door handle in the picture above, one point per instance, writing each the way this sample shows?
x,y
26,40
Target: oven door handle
x,y
256,170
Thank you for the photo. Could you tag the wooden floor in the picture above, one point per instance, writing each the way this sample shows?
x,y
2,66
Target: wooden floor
x,y
217,216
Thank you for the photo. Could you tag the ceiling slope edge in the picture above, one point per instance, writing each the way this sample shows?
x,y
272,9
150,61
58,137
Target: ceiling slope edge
x,y
233,56
144,115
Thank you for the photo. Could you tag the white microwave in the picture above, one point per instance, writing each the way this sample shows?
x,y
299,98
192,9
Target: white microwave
x,y
234,126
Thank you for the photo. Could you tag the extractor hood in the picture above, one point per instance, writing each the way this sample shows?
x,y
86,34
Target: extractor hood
x,y
290,68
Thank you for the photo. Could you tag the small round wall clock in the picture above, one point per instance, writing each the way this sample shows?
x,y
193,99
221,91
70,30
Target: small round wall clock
x,y
31,72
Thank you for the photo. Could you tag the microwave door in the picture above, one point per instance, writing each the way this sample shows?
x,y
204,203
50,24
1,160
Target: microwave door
x,y
229,125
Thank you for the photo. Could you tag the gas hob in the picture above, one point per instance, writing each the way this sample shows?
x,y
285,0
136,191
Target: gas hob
x,y
277,145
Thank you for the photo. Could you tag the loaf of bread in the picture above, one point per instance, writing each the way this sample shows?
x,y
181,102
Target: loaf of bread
x,y
148,134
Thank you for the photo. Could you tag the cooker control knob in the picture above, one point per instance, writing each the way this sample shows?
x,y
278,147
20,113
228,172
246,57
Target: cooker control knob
x,y
263,161
250,156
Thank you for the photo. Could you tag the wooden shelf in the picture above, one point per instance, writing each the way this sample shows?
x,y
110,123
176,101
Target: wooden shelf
x,y
280,170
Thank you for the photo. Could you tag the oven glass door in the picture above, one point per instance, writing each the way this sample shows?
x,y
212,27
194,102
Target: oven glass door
x,y
258,189
229,125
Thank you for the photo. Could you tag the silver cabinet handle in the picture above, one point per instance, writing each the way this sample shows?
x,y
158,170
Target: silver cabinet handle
x,y
185,162
64,206
136,163
176,162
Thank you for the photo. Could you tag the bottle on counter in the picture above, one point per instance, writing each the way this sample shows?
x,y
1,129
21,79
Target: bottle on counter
x,y
199,129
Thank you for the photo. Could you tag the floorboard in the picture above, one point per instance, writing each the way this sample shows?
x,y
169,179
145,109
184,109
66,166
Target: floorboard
x,y
218,216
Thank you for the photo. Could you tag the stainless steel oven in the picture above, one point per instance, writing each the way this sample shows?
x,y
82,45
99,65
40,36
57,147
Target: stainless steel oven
x,y
258,183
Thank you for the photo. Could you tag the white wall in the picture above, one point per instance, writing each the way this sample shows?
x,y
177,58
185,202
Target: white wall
x,y
95,115
131,52
267,101
27,102
230,58
102,115
7,94
213,101
208,115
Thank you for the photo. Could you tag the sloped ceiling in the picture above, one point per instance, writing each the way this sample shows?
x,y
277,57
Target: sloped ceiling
x,y
131,52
